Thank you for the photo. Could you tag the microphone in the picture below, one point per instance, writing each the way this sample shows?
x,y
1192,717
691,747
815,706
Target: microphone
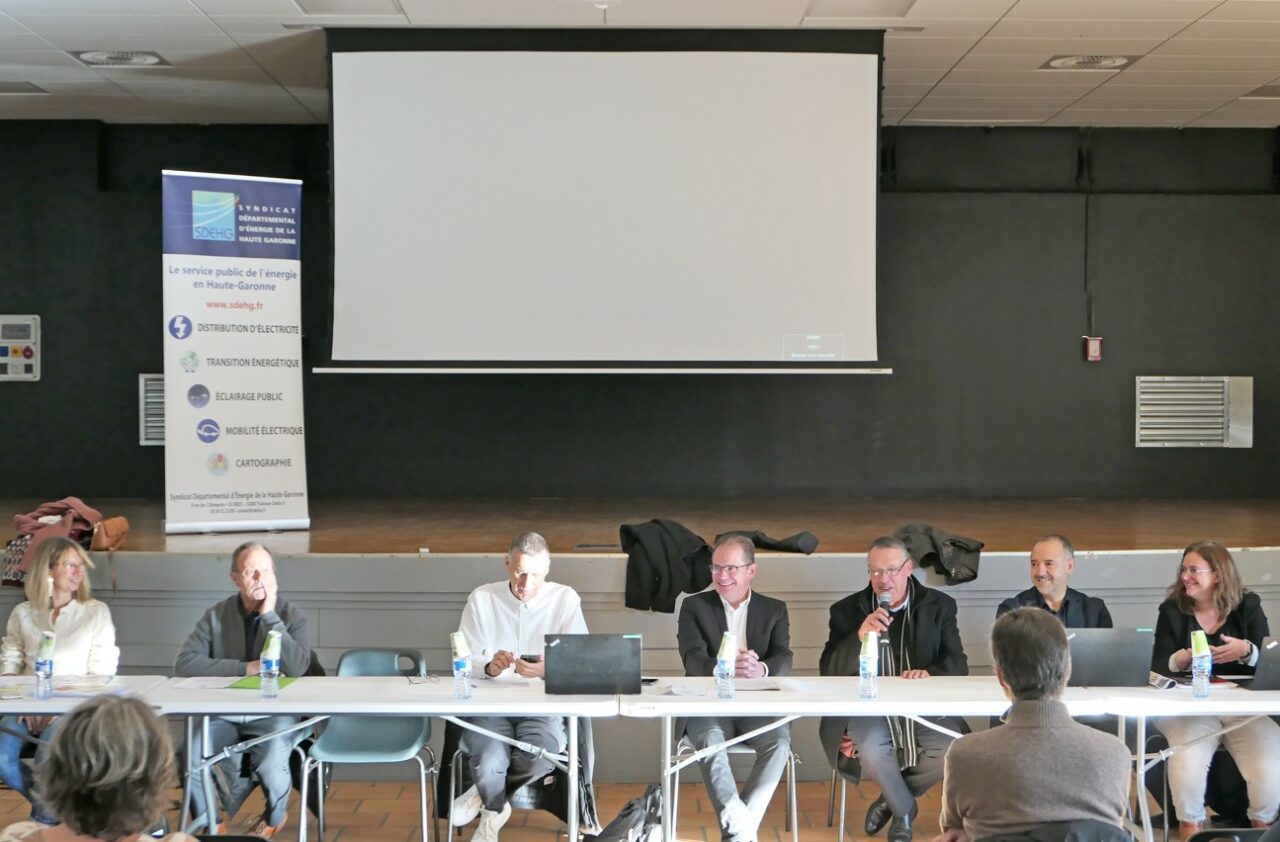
x,y
884,599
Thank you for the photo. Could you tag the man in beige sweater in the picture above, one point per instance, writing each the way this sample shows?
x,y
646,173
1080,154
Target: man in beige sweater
x,y
1042,766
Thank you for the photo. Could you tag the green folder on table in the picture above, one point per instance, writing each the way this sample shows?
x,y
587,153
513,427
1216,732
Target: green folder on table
x,y
254,682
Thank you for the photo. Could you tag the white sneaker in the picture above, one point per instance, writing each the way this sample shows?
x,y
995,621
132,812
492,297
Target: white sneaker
x,y
490,824
465,807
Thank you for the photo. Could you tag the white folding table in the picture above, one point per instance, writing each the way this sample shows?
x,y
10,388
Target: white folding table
x,y
1144,703
827,696
320,697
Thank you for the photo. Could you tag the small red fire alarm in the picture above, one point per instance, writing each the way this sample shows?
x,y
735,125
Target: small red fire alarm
x,y
1092,348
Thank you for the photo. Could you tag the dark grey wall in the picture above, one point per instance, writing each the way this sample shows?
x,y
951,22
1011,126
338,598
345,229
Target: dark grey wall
x,y
983,250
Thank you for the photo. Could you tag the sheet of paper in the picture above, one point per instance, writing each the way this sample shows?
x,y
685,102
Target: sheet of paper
x,y
757,684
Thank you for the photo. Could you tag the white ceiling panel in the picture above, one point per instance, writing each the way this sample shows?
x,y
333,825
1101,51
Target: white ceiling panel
x,y
1013,61
1155,93
37,58
80,25
951,27
1211,121
899,103
236,25
88,8
1245,10
349,7
1233,30
1053,28
95,87
15,41
946,88
1219,47
980,9
1065,78
1175,115
907,90
1137,76
912,77
912,44
1113,9
500,12
1100,103
40,75
988,104
1053,46
678,12
209,59
267,8
1211,64
926,61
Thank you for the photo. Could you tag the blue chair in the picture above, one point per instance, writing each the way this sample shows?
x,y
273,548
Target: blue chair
x,y
372,739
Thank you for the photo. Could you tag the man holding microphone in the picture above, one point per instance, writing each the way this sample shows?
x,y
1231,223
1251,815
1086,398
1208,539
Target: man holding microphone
x,y
918,638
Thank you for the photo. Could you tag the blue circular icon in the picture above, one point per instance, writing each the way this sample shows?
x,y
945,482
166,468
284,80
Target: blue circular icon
x,y
208,430
179,327
198,396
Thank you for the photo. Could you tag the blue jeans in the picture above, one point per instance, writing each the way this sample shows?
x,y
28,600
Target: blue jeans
x,y
269,761
17,774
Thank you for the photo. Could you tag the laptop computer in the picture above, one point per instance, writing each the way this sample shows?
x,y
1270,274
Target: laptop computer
x,y
1110,657
1266,675
592,664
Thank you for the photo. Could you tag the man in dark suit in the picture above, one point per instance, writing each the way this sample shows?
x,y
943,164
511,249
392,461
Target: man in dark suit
x,y
1053,560
763,633
919,638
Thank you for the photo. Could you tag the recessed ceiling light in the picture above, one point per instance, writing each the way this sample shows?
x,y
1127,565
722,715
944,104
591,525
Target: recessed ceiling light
x,y
119,58
1089,62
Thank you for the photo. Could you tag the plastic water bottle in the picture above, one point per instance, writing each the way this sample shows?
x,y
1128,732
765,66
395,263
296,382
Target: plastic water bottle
x,y
1201,665
869,667
44,665
726,660
269,674
461,666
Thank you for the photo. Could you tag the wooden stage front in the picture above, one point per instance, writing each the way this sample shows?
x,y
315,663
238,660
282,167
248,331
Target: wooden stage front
x,y
583,525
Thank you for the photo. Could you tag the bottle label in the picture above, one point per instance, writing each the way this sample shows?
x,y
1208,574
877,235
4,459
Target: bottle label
x,y
270,665
460,664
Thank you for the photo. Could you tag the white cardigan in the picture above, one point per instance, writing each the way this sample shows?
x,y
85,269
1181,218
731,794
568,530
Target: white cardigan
x,y
86,640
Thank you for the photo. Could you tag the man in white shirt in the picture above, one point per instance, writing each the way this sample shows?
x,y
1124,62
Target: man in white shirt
x,y
504,623
762,629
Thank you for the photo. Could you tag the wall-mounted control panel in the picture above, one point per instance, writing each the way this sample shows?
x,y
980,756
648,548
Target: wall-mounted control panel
x,y
19,348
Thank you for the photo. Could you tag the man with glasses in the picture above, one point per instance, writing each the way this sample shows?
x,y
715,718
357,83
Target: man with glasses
x,y
762,630
228,640
1053,560
918,638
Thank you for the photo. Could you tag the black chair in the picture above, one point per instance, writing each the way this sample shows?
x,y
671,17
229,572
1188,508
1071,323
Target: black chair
x,y
1236,834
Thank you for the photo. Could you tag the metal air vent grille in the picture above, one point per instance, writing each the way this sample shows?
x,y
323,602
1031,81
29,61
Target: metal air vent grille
x,y
1194,412
151,409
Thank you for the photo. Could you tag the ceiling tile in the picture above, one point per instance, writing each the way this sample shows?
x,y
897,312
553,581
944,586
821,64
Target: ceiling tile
x,y
946,88
350,7
907,90
1112,9
82,25
899,45
913,44
270,8
209,59
926,61
1093,101
1146,114
1245,10
500,12
1138,76
1159,61
951,27
21,41
37,58
981,9
899,102
859,8
1219,47
1074,46
84,8
1066,78
1115,90
1052,28
236,25
912,77
29,73
1232,30
984,105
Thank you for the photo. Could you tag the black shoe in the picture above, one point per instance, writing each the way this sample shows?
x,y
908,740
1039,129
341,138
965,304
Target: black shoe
x,y
900,827
878,815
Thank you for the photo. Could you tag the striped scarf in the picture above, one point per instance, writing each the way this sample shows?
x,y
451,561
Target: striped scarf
x,y
901,730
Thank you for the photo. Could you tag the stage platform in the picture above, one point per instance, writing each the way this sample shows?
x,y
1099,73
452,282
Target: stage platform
x,y
591,526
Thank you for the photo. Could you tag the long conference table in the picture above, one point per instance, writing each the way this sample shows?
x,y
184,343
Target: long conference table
x,y
670,698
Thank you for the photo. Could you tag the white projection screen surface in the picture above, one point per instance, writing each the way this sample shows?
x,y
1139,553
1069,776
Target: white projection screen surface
x,y
604,207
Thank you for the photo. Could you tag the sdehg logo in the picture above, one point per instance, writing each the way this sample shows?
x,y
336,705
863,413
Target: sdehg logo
x,y
213,216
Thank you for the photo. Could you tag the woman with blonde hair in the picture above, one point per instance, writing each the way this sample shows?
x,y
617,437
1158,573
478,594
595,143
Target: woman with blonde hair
x,y
107,775
1207,595
58,600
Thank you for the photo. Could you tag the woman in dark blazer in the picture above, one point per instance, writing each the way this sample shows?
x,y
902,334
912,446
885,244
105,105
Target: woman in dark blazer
x,y
1207,595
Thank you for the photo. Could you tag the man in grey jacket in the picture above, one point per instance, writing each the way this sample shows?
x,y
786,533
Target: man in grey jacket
x,y
228,640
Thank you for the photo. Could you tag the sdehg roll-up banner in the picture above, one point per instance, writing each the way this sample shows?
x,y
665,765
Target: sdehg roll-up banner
x,y
235,457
